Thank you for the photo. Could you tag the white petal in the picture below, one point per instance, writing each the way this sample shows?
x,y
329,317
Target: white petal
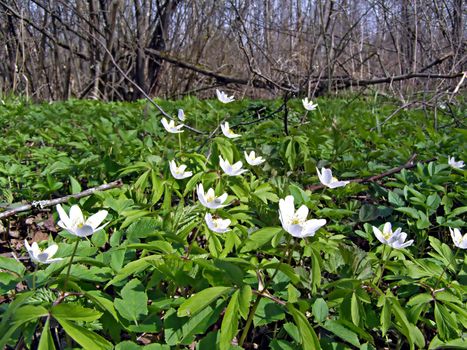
x,y
84,231
311,226
76,216
302,213
65,220
336,184
295,230
95,220
379,235
51,250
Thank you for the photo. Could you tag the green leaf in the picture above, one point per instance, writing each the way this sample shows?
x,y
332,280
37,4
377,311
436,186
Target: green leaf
x,y
46,341
395,199
200,300
385,318
103,301
355,309
29,312
244,300
75,185
84,337
260,238
264,193
134,267
134,303
75,312
12,265
445,323
309,338
229,326
413,213
320,310
342,332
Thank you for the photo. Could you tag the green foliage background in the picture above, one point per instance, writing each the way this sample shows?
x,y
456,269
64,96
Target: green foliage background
x,y
157,274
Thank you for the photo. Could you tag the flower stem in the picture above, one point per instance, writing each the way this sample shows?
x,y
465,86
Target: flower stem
x,y
180,141
445,269
260,295
383,265
69,265
34,278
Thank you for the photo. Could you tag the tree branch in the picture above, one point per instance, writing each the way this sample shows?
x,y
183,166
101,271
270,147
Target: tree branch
x,y
55,201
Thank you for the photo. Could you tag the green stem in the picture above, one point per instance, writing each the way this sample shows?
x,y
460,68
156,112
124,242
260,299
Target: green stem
x,y
34,278
383,266
445,269
249,320
180,142
69,265
260,295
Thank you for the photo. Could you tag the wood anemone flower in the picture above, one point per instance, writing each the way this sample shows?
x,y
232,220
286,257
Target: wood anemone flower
x,y
295,222
456,165
209,199
171,127
227,131
308,104
222,96
179,172
253,160
326,178
42,256
77,225
394,239
217,224
231,169
459,240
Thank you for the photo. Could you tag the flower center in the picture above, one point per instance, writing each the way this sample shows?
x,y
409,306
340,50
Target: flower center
x,y
210,198
334,179
387,235
295,221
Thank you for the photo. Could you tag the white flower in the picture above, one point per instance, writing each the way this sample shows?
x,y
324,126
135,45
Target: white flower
x,y
394,239
217,224
295,222
326,178
228,132
222,96
459,240
308,105
43,257
231,169
181,115
209,199
170,126
456,165
179,172
77,225
253,160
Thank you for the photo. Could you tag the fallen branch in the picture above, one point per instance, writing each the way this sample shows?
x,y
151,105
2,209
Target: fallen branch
x,y
408,165
55,201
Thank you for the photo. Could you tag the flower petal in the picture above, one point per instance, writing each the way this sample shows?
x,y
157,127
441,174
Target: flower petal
x,y
95,220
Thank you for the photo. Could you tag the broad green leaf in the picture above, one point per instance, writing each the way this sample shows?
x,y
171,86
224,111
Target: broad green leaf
x,y
84,337
12,265
134,302
200,300
320,310
134,267
103,301
29,312
309,338
342,332
75,312
260,238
